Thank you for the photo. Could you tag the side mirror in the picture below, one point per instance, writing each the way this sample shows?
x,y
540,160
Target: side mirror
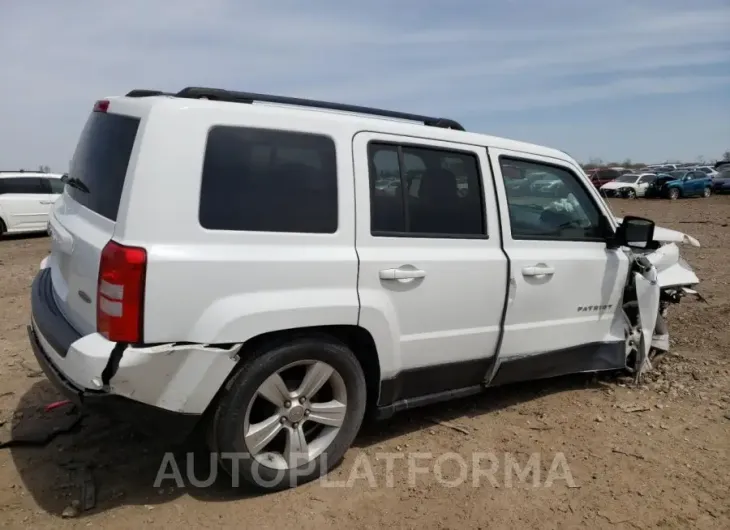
x,y
635,232
64,178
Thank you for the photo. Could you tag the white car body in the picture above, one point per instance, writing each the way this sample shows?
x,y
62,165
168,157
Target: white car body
x,y
708,170
638,183
26,199
429,314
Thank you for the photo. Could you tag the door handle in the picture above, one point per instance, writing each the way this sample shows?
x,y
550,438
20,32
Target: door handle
x,y
46,202
401,274
538,270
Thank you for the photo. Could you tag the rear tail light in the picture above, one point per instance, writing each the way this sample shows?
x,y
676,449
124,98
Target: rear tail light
x,y
120,293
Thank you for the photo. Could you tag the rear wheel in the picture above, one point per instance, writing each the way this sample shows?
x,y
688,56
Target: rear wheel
x,y
290,413
674,194
707,192
3,228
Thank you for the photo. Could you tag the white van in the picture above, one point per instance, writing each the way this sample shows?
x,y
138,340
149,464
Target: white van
x,y
26,199
274,267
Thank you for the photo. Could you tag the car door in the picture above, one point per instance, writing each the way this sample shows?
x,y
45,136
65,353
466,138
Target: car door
x,y
564,310
699,182
644,183
433,278
689,186
23,202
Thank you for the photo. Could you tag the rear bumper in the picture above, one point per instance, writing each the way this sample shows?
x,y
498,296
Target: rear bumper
x,y
71,362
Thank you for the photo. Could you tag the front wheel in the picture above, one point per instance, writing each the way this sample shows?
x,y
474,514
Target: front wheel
x,y
630,193
290,414
707,192
674,194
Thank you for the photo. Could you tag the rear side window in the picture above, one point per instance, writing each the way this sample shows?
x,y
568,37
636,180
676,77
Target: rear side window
x,y
261,180
31,185
101,160
422,191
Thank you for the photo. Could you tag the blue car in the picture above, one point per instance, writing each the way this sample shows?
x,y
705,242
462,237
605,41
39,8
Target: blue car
x,y
681,183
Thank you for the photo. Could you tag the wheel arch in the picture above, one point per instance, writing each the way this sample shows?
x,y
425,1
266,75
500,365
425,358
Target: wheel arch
x,y
358,339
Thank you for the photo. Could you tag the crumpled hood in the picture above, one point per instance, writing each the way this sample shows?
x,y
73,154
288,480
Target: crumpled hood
x,y
666,182
614,185
665,235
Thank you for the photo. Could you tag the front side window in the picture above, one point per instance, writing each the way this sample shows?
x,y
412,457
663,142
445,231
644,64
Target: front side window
x,y
260,180
424,192
556,207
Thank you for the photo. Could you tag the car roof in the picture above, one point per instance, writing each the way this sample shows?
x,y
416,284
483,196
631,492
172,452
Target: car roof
x,y
266,105
32,174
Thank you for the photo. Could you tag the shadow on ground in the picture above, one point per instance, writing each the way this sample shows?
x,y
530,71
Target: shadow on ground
x,y
20,237
111,465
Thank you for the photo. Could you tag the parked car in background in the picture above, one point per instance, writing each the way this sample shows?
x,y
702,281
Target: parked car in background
x,y
721,183
603,175
26,199
629,186
681,183
707,170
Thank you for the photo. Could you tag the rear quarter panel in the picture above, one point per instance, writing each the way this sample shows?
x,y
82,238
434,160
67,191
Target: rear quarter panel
x,y
211,286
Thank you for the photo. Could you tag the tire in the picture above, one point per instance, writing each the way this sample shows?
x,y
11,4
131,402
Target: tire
x,y
674,194
3,228
630,193
706,193
242,403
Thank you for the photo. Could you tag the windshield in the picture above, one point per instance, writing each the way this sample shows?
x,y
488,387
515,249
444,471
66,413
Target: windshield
x,y
627,178
678,174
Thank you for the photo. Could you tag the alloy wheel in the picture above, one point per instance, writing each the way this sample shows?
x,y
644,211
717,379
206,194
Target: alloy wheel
x,y
295,415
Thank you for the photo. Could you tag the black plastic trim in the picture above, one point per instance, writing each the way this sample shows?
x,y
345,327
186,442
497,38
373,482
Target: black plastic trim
x,y
433,384
427,380
48,317
595,357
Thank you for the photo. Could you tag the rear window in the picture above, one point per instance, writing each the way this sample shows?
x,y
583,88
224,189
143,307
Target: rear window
x,y
262,180
101,160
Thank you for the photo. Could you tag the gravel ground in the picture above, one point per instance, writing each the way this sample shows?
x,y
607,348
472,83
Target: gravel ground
x,y
653,456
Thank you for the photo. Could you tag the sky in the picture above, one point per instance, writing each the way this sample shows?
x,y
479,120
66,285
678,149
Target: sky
x,y
646,80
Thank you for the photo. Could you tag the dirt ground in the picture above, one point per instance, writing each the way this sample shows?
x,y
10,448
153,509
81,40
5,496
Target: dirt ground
x,y
652,456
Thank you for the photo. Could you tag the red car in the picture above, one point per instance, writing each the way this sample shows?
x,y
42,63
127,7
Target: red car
x,y
600,176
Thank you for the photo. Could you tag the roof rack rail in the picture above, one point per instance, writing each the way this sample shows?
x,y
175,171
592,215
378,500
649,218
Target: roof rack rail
x,y
219,94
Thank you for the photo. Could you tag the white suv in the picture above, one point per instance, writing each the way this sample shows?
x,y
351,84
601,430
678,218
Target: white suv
x,y
25,200
277,266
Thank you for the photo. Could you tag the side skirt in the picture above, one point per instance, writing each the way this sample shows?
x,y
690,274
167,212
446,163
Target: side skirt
x,y
434,384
